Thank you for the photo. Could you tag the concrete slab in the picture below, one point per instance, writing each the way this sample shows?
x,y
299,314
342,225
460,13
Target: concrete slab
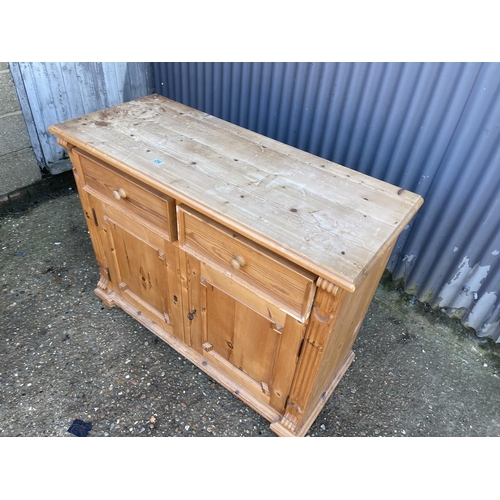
x,y
9,102
18,170
13,134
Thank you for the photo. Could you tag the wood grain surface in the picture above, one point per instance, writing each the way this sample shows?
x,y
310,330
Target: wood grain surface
x,y
325,217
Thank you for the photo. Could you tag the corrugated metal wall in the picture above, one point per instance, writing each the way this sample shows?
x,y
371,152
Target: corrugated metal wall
x,y
432,128
51,92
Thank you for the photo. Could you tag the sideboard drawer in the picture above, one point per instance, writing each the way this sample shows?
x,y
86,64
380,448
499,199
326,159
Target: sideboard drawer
x,y
273,275
153,207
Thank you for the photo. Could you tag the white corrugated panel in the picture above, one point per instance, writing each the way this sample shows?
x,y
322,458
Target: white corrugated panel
x,y
51,92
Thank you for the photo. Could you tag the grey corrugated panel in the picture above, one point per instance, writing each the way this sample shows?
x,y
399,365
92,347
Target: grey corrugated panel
x,y
56,91
432,128
456,251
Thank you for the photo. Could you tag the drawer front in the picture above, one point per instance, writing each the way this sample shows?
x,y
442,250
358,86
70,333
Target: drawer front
x,y
276,279
155,209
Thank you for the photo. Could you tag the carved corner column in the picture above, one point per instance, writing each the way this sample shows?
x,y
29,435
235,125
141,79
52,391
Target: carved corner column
x,y
323,316
92,211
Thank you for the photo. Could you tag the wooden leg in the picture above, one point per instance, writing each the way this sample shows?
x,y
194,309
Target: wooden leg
x,y
285,428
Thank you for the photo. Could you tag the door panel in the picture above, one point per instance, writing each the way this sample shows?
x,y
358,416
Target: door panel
x,y
140,267
241,336
251,347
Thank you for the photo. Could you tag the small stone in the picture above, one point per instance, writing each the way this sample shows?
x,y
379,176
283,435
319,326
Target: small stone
x,y
152,419
323,427
186,427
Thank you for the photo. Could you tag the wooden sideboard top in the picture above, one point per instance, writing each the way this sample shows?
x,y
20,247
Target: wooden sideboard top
x,y
325,217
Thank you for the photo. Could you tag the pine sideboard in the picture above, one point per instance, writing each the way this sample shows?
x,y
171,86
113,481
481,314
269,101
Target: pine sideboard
x,y
254,260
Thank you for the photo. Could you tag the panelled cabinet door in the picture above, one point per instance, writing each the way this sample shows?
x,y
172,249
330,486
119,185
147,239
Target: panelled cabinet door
x,y
253,342
138,261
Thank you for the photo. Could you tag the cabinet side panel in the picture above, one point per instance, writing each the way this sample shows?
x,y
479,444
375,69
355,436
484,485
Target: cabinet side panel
x,y
350,317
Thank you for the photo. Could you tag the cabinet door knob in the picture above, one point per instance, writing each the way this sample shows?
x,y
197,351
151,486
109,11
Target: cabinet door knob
x,y
119,194
237,262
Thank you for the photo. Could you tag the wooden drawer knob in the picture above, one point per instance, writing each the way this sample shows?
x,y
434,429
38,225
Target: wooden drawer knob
x,y
237,262
119,194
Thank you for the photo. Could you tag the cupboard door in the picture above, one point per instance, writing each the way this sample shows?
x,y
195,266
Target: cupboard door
x,y
139,269
256,345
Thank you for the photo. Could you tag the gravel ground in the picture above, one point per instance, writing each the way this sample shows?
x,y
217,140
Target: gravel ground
x,y
66,356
